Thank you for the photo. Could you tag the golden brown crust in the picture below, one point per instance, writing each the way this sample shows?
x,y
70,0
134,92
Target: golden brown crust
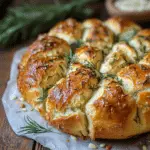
x,y
141,42
120,56
75,82
88,55
143,103
39,75
73,98
145,60
42,65
74,124
135,77
69,30
119,25
144,32
109,112
46,46
69,96
97,35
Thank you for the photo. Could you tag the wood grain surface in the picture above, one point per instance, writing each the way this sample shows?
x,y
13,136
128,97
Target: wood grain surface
x,y
8,139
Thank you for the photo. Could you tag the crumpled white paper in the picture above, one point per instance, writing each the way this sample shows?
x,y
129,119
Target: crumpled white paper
x,y
52,140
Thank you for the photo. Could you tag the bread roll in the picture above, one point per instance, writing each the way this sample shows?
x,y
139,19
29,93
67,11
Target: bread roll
x,y
103,91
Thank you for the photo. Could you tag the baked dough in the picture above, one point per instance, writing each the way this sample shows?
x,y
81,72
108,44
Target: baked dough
x,y
97,35
70,30
103,91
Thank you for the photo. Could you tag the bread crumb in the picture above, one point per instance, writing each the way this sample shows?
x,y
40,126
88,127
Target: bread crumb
x,y
144,147
22,106
92,146
73,138
102,145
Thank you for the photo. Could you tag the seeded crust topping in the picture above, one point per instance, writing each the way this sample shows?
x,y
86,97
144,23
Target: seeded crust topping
x,y
90,79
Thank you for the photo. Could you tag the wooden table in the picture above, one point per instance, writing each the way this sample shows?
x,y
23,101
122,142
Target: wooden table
x,y
8,139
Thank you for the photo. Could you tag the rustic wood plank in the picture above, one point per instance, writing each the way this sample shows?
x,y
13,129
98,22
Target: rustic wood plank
x,y
40,147
8,139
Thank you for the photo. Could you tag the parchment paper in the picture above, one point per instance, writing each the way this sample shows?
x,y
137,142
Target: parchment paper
x,y
51,140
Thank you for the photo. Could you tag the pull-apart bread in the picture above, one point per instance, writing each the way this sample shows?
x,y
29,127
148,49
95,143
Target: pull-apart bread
x,y
99,88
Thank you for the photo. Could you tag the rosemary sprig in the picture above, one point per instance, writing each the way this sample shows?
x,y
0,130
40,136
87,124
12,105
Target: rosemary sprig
x,y
89,65
44,95
33,127
69,57
27,21
104,76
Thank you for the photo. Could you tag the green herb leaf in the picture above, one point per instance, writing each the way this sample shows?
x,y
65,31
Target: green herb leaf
x,y
44,94
104,76
33,127
70,56
27,21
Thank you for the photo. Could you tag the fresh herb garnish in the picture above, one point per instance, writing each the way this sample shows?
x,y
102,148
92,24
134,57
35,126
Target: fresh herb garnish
x,y
70,56
89,65
44,94
33,127
27,21
143,48
104,76
119,81
114,59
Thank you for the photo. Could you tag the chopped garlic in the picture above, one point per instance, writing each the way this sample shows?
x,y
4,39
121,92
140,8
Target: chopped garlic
x,y
144,147
92,146
102,145
73,138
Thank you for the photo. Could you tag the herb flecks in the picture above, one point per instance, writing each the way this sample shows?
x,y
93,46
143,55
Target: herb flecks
x,y
44,94
33,127
69,57
104,76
